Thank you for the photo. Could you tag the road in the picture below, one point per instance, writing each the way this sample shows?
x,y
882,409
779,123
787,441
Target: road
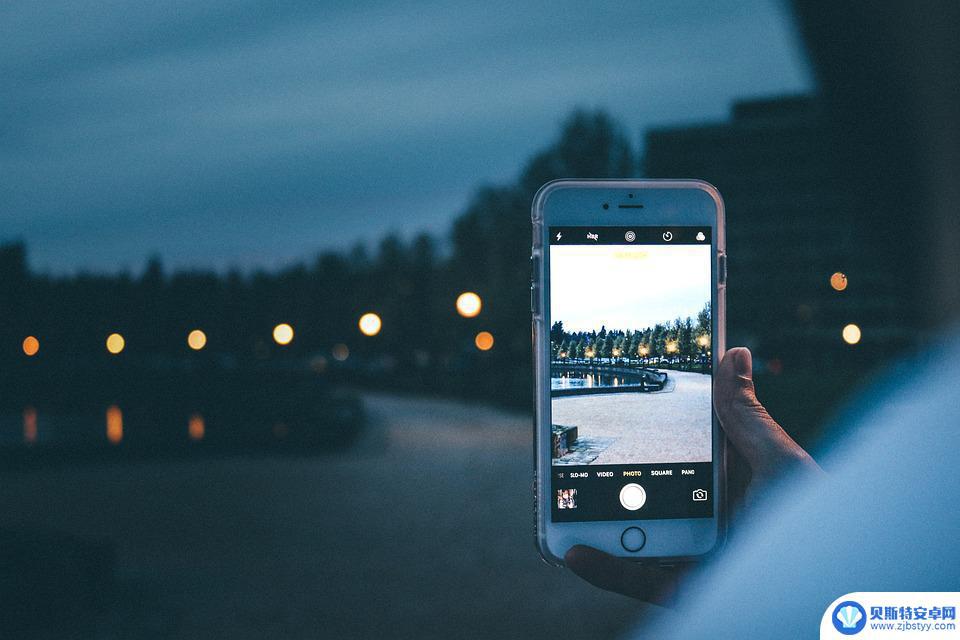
x,y
422,530
672,426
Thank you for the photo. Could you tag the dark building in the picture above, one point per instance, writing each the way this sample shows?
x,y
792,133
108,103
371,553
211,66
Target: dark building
x,y
795,217
792,223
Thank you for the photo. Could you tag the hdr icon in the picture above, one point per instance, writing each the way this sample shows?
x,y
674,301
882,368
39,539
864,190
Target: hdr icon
x,y
699,495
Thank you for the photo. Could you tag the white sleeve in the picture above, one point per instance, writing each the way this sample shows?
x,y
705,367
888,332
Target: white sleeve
x,y
888,519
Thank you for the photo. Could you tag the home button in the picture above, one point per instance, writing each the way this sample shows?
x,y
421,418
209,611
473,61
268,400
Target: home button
x,y
633,539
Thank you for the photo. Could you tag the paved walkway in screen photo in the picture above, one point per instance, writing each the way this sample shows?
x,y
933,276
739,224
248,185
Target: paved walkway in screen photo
x,y
642,427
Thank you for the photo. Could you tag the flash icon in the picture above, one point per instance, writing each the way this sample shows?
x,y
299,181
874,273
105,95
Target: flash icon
x,y
559,235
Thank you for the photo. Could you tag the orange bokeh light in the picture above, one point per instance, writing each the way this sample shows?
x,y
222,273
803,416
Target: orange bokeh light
x,y
838,281
469,304
31,345
484,341
851,334
283,334
115,343
370,324
196,339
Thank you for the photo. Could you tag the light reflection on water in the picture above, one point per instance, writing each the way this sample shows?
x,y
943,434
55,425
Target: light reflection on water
x,y
196,427
29,425
587,380
113,432
114,424
135,429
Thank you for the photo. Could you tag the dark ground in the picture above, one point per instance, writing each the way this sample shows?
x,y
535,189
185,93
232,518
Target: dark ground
x,y
423,529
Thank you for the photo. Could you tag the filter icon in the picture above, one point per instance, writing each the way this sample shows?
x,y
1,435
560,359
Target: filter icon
x,y
701,237
629,236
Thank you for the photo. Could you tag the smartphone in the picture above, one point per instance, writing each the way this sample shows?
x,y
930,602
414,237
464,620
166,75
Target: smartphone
x,y
627,298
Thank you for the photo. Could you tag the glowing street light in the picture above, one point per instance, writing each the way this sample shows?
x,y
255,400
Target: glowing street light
x,y
484,341
851,334
838,281
115,343
703,340
196,339
671,346
643,350
370,324
469,304
31,345
283,334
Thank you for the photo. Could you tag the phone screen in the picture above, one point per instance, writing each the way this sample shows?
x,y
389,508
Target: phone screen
x,y
631,373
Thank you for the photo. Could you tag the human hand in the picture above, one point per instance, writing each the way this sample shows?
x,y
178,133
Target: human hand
x,y
761,442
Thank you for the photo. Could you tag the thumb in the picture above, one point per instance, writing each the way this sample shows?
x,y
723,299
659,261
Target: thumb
x,y
760,440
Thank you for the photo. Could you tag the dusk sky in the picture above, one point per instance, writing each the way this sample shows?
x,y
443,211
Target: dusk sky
x,y
242,133
627,287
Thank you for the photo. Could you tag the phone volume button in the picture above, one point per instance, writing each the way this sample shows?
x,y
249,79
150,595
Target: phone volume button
x,y
534,299
722,269
536,508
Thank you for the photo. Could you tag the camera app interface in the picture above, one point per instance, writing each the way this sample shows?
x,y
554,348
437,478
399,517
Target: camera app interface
x,y
630,368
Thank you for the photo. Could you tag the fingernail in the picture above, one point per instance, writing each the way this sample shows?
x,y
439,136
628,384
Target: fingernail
x,y
744,363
